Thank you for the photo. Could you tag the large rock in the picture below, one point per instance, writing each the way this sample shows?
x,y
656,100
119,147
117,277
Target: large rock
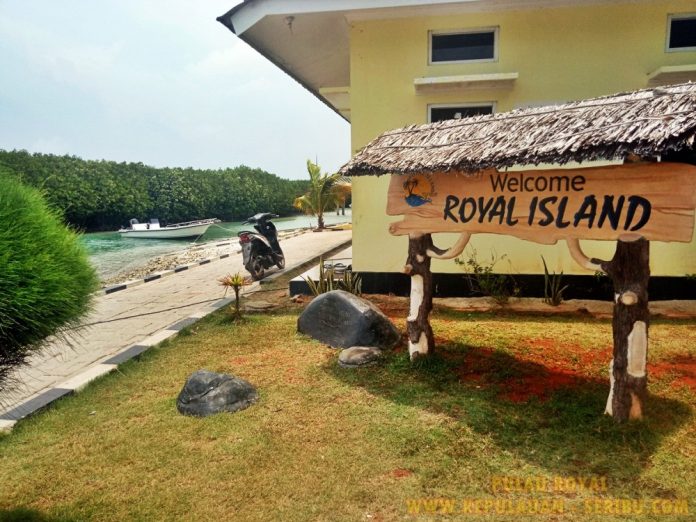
x,y
341,319
206,393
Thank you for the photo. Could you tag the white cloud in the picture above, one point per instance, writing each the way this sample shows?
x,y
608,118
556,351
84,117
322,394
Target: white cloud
x,y
237,59
157,82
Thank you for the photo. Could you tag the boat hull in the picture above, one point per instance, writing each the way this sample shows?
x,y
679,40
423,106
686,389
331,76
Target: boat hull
x,y
167,233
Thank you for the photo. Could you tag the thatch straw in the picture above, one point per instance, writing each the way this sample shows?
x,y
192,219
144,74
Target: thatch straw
x,y
648,122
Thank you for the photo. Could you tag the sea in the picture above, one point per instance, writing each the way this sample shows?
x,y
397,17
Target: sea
x,y
111,254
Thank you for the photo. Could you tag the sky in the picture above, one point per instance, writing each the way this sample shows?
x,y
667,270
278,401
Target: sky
x,y
154,81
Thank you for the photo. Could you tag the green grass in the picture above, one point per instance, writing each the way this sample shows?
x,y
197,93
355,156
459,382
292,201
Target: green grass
x,y
326,443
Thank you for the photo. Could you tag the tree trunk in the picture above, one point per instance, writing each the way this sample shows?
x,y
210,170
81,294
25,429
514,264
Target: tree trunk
x,y
320,221
420,333
236,302
630,273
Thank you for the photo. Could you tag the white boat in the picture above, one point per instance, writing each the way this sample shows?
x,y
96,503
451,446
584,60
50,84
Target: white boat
x,y
153,230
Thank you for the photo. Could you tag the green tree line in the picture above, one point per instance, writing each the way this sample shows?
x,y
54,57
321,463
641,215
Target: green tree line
x,y
104,195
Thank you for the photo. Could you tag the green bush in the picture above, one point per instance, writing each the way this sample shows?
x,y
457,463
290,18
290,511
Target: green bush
x,y
45,277
484,280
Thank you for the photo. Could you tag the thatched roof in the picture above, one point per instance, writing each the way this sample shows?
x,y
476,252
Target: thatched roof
x,y
648,122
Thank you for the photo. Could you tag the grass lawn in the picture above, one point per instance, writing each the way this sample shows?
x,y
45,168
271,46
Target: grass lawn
x,y
509,411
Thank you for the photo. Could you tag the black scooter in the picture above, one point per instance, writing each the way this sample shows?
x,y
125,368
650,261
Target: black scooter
x,y
260,249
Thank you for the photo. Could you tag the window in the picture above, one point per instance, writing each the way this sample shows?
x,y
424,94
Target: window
x,y
464,46
450,112
681,33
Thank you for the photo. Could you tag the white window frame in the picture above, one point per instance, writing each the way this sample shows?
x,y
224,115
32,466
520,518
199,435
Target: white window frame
x,y
495,30
677,16
431,106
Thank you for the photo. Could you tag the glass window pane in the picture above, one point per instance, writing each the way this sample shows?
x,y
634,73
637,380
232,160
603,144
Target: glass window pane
x,y
466,46
682,33
455,113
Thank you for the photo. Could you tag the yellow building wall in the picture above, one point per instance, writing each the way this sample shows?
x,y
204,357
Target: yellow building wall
x,y
561,54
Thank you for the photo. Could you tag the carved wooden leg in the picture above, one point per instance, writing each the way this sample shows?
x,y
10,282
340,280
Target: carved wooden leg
x,y
630,272
420,333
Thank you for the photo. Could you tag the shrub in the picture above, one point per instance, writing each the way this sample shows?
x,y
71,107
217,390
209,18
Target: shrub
x,y
45,277
553,291
334,277
484,280
235,282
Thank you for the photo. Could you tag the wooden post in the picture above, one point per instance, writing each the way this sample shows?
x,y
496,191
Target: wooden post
x,y
420,251
630,273
420,333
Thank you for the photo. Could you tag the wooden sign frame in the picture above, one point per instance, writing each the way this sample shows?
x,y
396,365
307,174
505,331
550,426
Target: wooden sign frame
x,y
651,200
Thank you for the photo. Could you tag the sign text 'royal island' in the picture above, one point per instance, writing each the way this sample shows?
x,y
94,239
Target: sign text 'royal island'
x,y
626,212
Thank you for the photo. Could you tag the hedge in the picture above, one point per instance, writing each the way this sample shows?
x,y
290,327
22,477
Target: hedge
x,y
46,280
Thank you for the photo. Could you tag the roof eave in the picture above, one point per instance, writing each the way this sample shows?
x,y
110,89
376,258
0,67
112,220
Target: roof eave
x,y
226,20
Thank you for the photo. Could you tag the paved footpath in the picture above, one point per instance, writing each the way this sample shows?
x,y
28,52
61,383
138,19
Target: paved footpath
x,y
147,314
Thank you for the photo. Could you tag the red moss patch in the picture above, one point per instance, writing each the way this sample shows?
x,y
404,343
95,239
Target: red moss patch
x,y
567,357
291,376
401,473
536,374
393,307
539,386
680,370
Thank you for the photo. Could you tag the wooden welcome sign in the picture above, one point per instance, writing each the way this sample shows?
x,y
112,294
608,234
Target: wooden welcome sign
x,y
651,200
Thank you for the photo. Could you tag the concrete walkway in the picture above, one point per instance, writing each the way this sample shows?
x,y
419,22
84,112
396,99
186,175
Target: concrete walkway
x,y
131,320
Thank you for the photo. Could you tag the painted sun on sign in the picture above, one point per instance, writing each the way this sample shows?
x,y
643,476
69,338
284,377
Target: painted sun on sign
x,y
418,189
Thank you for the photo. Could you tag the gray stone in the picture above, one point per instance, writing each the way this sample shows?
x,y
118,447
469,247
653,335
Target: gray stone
x,y
359,356
341,319
206,393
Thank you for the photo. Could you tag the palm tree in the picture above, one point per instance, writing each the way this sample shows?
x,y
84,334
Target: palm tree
x,y
343,189
322,194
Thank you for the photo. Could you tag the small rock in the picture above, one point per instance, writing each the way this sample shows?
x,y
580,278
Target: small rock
x,y
206,393
341,319
359,356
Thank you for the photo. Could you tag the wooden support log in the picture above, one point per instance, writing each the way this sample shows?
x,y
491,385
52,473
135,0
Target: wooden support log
x,y
420,334
629,270
420,250
453,251
580,258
